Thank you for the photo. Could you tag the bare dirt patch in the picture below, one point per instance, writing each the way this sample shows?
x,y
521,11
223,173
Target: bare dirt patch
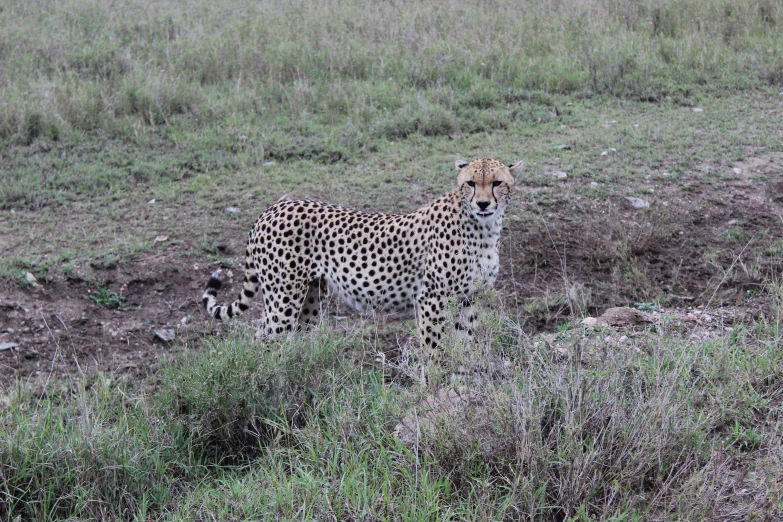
x,y
701,241
58,328
705,240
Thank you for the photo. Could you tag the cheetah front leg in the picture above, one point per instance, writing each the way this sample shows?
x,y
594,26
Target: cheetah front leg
x,y
430,317
465,323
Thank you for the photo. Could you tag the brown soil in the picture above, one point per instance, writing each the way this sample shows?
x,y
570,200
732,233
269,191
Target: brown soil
x,y
58,327
598,253
699,243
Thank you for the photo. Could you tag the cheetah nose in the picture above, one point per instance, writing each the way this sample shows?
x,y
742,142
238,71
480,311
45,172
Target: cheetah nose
x,y
482,204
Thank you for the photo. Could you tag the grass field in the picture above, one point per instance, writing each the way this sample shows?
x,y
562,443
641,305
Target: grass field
x,y
131,131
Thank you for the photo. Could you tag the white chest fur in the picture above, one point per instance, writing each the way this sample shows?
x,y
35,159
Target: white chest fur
x,y
483,252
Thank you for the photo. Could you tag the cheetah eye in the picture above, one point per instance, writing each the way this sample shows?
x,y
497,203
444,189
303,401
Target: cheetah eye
x,y
497,183
470,183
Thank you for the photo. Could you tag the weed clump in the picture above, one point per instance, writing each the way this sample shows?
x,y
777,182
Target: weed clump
x,y
567,438
110,299
238,392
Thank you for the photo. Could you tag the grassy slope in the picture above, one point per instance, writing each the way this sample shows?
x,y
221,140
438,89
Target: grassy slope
x,y
671,429
109,105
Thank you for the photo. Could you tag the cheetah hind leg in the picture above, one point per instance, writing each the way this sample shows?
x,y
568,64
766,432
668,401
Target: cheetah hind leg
x,y
282,307
312,309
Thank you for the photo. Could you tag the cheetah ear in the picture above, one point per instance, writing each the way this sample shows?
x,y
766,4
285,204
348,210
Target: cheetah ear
x,y
515,168
460,164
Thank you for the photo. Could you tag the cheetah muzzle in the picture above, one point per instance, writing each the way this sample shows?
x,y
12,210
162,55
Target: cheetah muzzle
x,y
376,262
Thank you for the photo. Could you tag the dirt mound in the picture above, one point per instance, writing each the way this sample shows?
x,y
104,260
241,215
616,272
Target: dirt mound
x,y
623,317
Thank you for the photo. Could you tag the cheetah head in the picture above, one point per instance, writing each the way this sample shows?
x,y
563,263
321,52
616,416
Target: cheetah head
x,y
485,185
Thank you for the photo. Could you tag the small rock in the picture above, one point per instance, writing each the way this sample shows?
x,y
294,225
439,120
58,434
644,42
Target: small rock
x,y
232,210
150,202
698,109
732,222
30,278
623,317
559,174
160,239
166,336
589,321
455,135
564,146
196,267
638,203
622,339
248,195
593,183
10,330
692,318
605,153
187,319
7,346
269,163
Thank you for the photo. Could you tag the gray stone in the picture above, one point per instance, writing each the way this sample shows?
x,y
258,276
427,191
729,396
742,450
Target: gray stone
x,y
638,203
232,210
166,335
8,346
564,146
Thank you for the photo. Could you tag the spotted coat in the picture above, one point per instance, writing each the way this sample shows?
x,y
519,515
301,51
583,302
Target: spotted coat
x,y
376,262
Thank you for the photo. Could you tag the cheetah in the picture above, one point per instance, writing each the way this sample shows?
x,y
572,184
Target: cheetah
x,y
376,262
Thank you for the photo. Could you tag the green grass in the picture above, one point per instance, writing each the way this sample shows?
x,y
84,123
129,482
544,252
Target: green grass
x,y
90,448
298,431
392,69
117,98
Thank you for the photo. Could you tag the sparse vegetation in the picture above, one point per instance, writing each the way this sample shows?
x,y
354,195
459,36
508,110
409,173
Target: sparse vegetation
x,y
109,299
123,122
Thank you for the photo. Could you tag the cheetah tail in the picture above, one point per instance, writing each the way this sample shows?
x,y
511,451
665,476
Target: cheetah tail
x,y
226,312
